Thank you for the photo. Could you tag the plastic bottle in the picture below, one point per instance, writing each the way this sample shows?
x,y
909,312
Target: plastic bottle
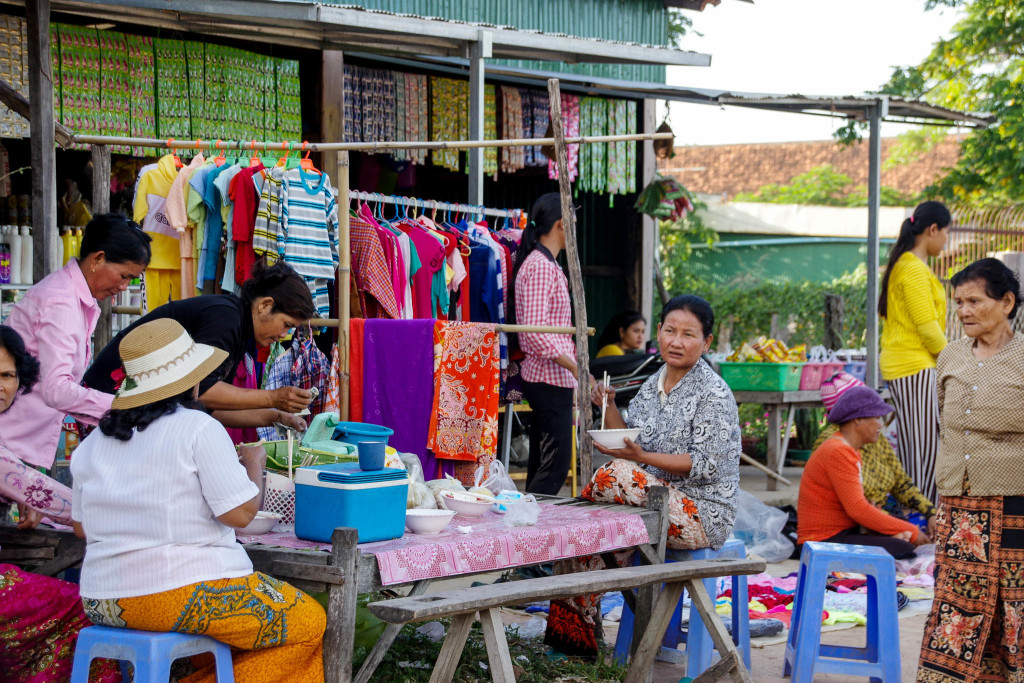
x,y
78,243
14,244
5,260
65,239
27,253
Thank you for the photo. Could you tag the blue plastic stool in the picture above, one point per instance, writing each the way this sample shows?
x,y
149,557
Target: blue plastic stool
x,y
805,655
699,646
150,653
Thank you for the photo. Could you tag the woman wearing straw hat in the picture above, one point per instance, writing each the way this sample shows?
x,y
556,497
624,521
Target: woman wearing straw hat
x,y
831,506
157,490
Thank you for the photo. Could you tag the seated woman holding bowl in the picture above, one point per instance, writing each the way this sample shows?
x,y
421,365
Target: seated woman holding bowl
x,y
157,490
831,506
688,441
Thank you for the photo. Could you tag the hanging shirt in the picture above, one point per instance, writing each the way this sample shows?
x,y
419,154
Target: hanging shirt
x,y
223,186
210,252
308,234
56,318
431,254
244,191
149,212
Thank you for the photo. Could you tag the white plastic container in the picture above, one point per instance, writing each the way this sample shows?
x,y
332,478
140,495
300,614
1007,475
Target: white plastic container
x,y
14,243
26,255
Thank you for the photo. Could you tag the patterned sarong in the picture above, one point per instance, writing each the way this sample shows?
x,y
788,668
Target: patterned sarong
x,y
974,630
275,631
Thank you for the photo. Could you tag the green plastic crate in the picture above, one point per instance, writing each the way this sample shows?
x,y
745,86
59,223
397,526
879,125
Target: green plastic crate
x,y
762,376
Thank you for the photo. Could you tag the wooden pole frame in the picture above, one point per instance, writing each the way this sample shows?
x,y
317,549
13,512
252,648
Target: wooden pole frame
x,y
579,301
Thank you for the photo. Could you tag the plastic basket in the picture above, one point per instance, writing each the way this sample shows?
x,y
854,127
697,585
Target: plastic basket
x,y
815,373
279,497
858,369
761,376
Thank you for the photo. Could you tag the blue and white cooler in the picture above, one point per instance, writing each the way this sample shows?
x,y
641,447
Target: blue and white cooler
x,y
341,494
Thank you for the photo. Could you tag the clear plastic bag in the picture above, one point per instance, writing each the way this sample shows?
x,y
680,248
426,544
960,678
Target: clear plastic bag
x,y
522,512
412,466
420,497
494,478
759,526
448,483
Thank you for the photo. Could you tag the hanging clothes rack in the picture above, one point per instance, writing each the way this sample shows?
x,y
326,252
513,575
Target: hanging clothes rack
x,y
432,204
102,145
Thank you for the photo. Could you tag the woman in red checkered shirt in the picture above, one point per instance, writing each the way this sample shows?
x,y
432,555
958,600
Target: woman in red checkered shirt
x,y
541,296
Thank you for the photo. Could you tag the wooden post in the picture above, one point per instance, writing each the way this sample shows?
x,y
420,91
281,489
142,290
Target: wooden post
x,y
46,242
649,224
101,204
657,499
833,322
335,163
579,301
341,608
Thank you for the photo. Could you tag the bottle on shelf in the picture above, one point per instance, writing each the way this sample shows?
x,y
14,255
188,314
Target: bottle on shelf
x,y
66,240
5,260
14,244
77,251
27,254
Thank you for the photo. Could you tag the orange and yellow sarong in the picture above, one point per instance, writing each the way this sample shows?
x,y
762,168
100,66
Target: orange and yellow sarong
x,y
275,630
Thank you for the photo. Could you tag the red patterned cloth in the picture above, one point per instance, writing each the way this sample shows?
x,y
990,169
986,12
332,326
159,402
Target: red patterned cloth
x,y
464,420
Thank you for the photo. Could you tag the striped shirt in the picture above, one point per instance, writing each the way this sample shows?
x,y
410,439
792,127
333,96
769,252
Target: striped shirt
x,y
297,220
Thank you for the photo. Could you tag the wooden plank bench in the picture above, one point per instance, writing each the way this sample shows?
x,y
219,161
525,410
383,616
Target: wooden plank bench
x,y
463,604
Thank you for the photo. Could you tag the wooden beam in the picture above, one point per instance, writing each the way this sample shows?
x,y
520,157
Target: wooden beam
x,y
101,204
579,300
648,224
20,106
46,241
341,608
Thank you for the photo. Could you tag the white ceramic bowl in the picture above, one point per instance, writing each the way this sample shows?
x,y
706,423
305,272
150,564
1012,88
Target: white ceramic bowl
x,y
262,523
613,438
427,521
466,504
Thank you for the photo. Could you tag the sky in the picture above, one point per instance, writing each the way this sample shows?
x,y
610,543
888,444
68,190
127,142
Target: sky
x,y
810,47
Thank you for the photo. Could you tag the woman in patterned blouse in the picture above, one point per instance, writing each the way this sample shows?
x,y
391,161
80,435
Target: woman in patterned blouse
x,y
689,442
975,628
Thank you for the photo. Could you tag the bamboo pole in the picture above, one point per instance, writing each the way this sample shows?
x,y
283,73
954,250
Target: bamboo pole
x,y
774,475
297,146
343,282
579,302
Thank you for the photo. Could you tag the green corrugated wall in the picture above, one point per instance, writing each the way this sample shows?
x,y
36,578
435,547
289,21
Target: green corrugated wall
x,y
636,21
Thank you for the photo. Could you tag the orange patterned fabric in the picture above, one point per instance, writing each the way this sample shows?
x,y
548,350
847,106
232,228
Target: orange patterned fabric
x,y
464,423
275,630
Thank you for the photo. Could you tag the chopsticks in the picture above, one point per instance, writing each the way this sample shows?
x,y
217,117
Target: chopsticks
x,y
604,398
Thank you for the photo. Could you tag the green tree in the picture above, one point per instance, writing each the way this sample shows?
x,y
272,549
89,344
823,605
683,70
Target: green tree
x,y
822,186
980,68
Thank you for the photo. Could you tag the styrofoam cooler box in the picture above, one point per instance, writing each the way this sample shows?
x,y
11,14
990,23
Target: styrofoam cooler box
x,y
329,496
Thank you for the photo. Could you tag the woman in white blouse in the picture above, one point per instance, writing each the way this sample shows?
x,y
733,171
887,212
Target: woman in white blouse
x,y
157,490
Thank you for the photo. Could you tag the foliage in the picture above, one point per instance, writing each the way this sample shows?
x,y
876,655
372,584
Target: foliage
x,y
750,304
679,24
412,656
677,240
980,68
807,425
823,186
912,145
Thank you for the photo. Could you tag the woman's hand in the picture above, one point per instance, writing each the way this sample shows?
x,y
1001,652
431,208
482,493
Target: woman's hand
x,y
931,526
28,518
922,538
254,457
291,399
599,391
290,420
903,536
630,452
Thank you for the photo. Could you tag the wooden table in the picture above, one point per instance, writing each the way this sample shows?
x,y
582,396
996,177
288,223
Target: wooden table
x,y
775,402
330,572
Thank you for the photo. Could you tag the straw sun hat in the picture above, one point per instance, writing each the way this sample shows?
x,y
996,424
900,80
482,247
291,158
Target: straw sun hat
x,y
161,360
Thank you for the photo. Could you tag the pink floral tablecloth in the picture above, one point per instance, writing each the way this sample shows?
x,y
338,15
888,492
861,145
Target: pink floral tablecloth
x,y
561,532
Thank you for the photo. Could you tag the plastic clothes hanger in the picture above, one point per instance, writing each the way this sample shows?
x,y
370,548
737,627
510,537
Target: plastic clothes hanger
x,y
220,159
254,160
177,161
306,164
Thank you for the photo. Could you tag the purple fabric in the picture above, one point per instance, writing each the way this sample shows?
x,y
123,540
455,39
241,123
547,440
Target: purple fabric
x,y
398,383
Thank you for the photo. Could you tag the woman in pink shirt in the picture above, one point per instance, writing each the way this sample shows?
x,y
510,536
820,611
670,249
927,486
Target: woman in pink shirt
x,y
56,318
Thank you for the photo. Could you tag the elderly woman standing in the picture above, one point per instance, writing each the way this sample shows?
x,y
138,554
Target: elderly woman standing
x,y
56,318
689,442
975,626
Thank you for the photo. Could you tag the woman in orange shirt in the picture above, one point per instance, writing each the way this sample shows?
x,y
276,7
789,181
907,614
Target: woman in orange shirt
x,y
831,506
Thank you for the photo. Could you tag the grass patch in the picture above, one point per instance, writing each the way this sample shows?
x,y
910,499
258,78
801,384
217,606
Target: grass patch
x,y
411,659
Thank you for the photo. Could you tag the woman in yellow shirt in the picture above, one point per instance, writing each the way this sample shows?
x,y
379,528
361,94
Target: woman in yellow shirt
x,y
625,333
913,306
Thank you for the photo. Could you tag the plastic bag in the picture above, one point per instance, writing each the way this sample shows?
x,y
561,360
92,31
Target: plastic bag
x,y
759,526
522,512
420,497
413,466
438,485
494,478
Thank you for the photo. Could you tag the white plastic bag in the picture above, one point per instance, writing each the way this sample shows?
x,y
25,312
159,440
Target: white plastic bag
x,y
420,497
412,466
759,526
494,478
522,512
448,483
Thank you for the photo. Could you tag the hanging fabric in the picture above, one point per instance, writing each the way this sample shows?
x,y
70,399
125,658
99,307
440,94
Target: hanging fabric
x,y
571,128
512,158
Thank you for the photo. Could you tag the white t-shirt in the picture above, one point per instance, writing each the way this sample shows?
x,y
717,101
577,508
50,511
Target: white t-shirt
x,y
149,507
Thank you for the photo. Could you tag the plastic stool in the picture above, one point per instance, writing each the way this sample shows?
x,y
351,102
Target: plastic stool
x,y
805,655
699,646
150,653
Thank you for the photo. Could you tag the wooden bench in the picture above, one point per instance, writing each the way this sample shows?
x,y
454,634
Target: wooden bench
x,y
463,604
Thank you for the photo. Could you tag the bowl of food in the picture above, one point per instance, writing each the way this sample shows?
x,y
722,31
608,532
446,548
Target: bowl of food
x,y
427,521
613,438
262,523
465,503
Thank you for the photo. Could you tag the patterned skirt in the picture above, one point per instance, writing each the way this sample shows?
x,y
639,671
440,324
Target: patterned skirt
x,y
974,630
40,618
574,625
275,631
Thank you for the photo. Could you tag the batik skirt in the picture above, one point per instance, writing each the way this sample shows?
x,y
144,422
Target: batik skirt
x,y
275,630
974,630
40,618
574,625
